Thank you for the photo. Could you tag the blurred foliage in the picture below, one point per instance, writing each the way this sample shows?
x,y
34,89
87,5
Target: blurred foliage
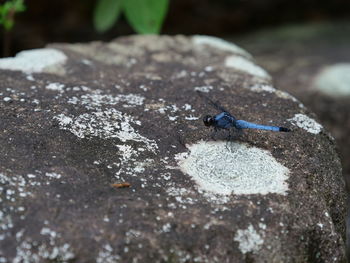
x,y
106,14
8,11
144,16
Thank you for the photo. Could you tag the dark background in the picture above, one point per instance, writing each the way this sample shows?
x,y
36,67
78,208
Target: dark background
x,y
71,21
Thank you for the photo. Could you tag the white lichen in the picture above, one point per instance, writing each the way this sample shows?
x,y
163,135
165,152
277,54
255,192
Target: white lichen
x,y
238,170
249,239
306,123
279,93
169,110
166,228
334,80
247,66
106,255
55,87
36,60
53,250
208,68
105,122
187,107
219,43
203,88
16,191
87,62
53,175
105,125
30,77
129,165
262,88
182,195
191,118
96,99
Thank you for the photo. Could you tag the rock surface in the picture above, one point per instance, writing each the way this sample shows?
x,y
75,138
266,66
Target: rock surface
x,y
312,62
101,115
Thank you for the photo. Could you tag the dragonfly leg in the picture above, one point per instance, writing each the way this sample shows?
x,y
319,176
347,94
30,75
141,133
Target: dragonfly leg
x,y
212,135
181,141
239,133
234,134
230,139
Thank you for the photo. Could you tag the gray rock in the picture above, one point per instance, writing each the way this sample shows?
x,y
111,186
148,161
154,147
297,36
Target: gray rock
x,y
101,116
334,80
311,62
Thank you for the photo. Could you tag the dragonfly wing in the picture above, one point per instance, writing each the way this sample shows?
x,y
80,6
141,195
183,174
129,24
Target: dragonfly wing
x,y
211,102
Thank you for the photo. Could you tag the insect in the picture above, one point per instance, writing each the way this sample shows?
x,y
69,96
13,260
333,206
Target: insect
x,y
121,185
225,120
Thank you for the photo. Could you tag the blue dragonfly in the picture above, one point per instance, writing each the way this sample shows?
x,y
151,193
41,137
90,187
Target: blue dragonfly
x,y
226,121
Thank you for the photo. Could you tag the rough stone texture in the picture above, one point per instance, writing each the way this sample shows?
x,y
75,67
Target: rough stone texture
x,y
127,111
304,61
312,62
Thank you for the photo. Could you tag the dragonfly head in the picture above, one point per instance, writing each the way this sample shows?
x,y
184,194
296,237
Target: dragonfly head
x,y
208,120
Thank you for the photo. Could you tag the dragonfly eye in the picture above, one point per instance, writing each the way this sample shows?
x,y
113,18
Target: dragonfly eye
x,y
208,120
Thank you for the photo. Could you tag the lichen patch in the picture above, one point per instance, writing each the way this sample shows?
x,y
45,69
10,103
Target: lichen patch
x,y
97,99
55,87
105,125
240,170
249,239
107,255
245,65
306,123
263,88
54,251
334,80
220,44
36,60
203,88
279,93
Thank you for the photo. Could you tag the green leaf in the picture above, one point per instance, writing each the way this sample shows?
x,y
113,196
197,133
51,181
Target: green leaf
x,y
146,16
106,14
19,6
7,12
8,24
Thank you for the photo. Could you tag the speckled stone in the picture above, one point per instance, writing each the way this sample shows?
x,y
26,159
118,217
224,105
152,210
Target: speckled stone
x,y
104,158
312,65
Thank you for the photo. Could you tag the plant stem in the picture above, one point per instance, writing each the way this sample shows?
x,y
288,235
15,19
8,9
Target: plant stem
x,y
7,34
6,43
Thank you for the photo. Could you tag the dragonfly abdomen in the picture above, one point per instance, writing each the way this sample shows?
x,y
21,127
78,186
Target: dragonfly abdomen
x,y
240,124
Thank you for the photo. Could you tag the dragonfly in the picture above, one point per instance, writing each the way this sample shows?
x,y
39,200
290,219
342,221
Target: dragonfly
x,y
226,121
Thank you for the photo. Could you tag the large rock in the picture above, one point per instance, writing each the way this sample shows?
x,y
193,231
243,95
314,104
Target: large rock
x,y
79,121
312,62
